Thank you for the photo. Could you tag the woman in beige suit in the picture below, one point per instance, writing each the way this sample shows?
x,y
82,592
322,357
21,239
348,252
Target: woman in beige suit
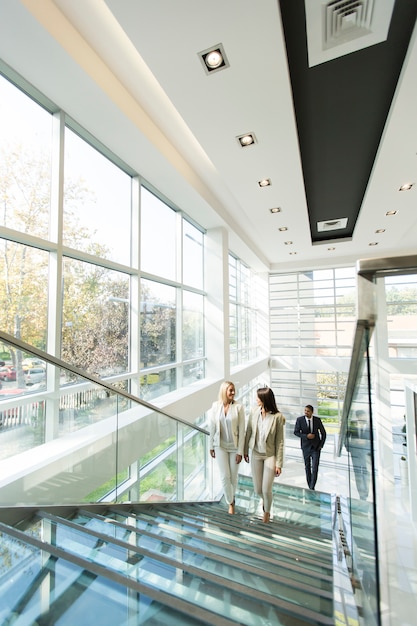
x,y
227,438
265,437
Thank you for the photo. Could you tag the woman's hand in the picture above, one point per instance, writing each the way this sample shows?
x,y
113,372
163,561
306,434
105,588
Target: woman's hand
x,y
212,454
238,458
278,471
246,457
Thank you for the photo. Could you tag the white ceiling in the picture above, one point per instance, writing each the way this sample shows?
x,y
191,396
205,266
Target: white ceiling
x,y
129,72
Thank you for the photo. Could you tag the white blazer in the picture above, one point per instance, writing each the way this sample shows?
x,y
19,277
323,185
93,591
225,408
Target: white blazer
x,y
238,425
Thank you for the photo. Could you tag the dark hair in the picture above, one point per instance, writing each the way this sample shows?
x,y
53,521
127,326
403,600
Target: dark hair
x,y
266,396
308,406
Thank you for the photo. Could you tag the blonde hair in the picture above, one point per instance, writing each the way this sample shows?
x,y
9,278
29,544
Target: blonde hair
x,y
223,390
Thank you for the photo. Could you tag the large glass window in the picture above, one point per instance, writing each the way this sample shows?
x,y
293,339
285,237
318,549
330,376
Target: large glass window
x,y
95,331
243,314
192,336
313,317
193,257
97,202
24,292
158,340
401,298
78,269
25,162
158,240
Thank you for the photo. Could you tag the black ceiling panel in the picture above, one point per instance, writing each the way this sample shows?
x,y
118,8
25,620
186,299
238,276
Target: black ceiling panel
x,y
341,107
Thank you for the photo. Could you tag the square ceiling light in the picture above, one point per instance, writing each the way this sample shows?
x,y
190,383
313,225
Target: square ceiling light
x,y
214,59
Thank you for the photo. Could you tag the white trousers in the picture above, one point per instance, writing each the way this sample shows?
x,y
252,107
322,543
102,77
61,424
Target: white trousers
x,y
228,472
263,474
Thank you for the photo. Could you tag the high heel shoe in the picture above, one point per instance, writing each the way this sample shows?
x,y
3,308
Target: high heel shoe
x,y
232,508
267,517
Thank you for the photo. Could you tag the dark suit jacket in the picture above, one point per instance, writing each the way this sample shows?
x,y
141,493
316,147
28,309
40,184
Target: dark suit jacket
x,y
301,430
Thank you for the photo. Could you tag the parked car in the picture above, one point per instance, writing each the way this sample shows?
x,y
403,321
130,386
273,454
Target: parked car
x,y
34,375
7,372
32,362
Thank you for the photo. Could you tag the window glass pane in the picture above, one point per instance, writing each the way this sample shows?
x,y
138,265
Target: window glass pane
x,y
158,324
192,256
24,292
95,318
97,202
401,297
192,325
158,237
25,162
157,383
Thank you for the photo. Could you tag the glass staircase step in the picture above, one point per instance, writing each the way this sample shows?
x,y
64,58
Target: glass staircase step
x,y
183,558
144,555
295,569
223,597
200,550
279,526
249,538
45,588
292,504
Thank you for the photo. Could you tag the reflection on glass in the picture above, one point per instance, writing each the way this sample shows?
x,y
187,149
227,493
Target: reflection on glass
x,y
362,488
97,202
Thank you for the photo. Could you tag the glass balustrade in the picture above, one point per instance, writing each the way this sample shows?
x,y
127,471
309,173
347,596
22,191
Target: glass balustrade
x,y
72,438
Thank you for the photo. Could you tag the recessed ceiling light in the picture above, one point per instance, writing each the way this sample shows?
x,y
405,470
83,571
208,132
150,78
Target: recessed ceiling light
x,y
374,243
336,224
391,213
293,253
406,187
380,230
246,140
288,243
331,248
214,59
283,229
275,210
265,182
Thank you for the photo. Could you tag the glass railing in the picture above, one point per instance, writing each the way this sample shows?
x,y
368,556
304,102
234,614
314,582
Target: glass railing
x,y
69,437
358,508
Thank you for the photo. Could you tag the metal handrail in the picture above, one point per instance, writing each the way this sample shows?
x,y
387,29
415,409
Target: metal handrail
x,y
49,358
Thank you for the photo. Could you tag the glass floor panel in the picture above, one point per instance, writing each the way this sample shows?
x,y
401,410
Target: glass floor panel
x,y
289,550
292,571
218,592
47,590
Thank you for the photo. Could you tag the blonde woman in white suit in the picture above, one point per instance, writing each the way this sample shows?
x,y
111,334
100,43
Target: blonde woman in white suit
x,y
265,437
227,438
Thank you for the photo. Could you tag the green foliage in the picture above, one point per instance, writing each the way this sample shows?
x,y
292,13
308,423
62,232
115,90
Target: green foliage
x,y
100,492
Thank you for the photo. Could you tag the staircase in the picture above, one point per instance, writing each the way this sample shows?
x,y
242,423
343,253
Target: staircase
x,y
169,563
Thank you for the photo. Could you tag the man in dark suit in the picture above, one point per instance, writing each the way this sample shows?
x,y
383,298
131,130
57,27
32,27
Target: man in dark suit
x,y
312,434
358,445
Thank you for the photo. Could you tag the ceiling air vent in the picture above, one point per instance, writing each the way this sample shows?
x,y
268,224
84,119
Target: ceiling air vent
x,y
339,27
345,20
332,224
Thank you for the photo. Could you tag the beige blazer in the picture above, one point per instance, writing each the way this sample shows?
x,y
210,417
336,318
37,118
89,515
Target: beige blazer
x,y
274,439
238,425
